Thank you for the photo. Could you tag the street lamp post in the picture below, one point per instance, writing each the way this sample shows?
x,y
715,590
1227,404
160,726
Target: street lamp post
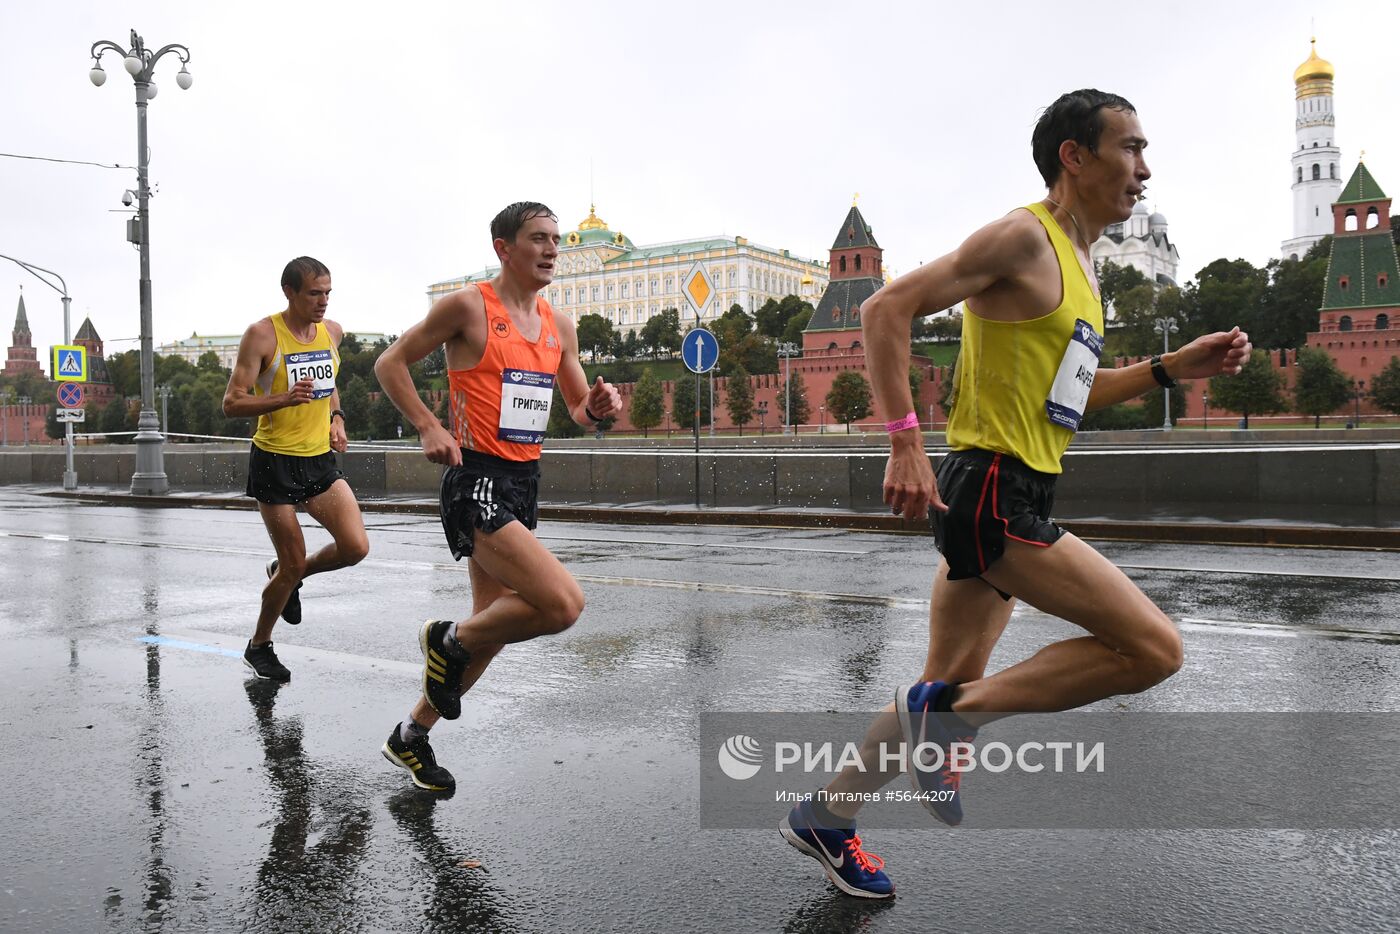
x,y
787,351
140,63
821,430
1165,327
70,476
24,402
762,414
164,392
1205,404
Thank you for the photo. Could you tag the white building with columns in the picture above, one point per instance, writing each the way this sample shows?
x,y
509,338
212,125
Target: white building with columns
x,y
1316,161
600,271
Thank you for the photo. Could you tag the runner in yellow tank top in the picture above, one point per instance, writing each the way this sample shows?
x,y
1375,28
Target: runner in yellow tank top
x,y
285,376
1031,339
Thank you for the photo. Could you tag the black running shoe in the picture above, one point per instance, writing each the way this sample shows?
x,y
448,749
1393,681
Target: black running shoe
x,y
264,662
418,759
442,674
292,611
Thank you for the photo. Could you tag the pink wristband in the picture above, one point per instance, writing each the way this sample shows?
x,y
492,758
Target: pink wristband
x,y
909,421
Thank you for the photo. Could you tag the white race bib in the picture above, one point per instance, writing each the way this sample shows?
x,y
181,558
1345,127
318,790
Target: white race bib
x,y
525,399
1070,391
315,365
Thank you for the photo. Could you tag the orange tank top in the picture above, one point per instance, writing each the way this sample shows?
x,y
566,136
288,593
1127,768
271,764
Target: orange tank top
x,y
501,406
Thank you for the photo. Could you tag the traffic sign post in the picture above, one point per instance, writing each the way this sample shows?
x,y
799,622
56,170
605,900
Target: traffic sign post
x,y
700,347
699,350
71,415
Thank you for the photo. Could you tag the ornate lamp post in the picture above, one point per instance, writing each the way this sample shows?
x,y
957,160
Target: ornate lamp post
x,y
762,414
1205,404
140,63
1357,385
1165,327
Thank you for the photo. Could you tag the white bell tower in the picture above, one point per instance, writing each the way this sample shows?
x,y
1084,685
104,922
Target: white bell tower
x,y
1316,165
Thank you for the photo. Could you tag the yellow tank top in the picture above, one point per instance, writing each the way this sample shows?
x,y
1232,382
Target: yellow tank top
x,y
1021,385
302,430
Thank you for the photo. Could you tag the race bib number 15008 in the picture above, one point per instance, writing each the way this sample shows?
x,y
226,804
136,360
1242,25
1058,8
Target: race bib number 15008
x,y
315,365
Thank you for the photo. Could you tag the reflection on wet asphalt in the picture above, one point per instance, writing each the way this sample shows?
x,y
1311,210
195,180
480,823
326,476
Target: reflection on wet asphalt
x,y
151,787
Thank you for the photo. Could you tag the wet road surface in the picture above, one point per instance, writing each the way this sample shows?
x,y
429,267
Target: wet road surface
x,y
150,787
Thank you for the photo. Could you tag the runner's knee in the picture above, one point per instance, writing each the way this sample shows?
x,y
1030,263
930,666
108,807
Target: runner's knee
x,y
354,551
1157,659
564,608
293,566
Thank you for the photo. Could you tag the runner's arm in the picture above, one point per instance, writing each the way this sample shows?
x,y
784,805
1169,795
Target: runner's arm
x,y
602,398
256,348
339,440
446,320
1221,353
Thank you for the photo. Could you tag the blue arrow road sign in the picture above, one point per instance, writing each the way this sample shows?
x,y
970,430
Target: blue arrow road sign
x,y
700,350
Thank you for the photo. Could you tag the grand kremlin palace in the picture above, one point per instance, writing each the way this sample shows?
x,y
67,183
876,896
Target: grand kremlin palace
x,y
600,271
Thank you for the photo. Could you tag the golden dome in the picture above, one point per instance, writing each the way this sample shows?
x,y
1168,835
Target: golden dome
x,y
807,278
594,222
1314,68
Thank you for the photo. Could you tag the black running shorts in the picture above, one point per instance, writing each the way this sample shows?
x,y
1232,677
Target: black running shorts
x,y
282,479
487,493
990,497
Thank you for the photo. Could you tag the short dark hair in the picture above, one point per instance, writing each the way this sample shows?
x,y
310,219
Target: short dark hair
x,y
300,269
505,225
1077,116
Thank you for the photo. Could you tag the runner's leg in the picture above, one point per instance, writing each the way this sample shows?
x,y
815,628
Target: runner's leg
x,y
339,513
486,590
285,532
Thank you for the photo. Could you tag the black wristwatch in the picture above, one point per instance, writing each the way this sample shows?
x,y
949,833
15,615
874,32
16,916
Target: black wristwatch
x,y
335,412
1159,373
588,413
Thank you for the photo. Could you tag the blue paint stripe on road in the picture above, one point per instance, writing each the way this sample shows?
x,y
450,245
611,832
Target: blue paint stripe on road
x,y
192,646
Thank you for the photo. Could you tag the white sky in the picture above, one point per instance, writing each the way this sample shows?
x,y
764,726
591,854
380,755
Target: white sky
x,y
382,139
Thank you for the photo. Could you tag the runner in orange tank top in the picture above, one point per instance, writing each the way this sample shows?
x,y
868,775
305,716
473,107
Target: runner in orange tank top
x,y
506,354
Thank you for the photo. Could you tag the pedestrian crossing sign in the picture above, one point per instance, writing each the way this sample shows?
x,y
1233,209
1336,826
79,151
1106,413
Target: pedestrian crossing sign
x,y
70,363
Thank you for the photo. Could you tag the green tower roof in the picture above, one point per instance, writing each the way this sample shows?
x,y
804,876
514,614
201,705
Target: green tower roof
x,y
1361,188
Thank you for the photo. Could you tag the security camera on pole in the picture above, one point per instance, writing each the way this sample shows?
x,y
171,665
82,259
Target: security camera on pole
x,y
699,349
140,63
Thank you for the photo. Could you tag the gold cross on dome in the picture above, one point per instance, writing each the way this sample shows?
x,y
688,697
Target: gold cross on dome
x,y
855,198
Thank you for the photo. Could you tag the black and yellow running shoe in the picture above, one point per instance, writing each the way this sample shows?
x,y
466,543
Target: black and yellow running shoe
x,y
418,759
442,674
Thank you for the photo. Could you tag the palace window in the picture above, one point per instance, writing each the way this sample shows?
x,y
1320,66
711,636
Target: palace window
x,y
1345,324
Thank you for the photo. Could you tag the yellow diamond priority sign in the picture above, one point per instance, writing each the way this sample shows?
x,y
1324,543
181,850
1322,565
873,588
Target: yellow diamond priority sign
x,y
698,288
70,363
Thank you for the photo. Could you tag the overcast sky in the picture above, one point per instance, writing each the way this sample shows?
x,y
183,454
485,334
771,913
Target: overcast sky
x,y
382,142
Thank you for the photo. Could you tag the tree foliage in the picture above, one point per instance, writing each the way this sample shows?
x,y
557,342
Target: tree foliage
x,y
1256,390
738,398
1321,387
662,333
595,335
849,398
1385,387
801,412
683,402
648,402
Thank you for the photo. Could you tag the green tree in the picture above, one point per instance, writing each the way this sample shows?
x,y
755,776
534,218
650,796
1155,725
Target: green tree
x,y
683,402
1288,308
124,370
916,379
1225,294
172,370
1320,387
801,410
354,402
849,398
52,427
1385,388
383,418
349,343
1257,390
114,419
792,331
648,402
209,363
1136,312
1116,280
595,335
662,333
738,397
631,345
732,326
773,317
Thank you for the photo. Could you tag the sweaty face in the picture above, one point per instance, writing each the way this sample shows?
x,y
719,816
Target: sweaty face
x,y
532,255
313,299
1116,174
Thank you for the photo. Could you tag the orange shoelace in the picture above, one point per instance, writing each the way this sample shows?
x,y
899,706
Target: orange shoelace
x,y
867,861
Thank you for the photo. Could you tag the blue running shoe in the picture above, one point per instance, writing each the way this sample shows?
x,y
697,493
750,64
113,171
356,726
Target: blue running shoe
x,y
939,789
850,868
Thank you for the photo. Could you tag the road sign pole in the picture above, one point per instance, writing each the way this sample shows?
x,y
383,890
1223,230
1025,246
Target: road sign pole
x,y
70,476
697,440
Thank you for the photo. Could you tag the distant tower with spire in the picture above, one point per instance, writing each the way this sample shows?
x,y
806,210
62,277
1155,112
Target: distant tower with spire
x,y
1316,159
21,357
